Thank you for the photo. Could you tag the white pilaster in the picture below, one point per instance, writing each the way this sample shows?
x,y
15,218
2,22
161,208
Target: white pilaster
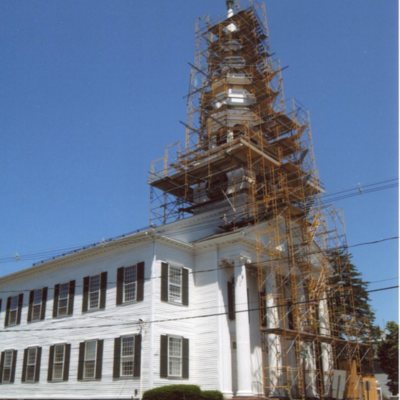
x,y
326,348
244,374
273,340
309,369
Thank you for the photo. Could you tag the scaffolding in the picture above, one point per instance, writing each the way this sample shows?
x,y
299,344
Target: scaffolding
x,y
248,152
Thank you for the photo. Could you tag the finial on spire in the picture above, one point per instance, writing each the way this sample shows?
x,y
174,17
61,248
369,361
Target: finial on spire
x,y
229,6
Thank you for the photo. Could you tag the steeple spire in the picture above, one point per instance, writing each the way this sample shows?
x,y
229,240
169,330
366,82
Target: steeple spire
x,y
229,6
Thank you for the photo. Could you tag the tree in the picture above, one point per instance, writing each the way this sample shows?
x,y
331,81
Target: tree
x,y
388,353
353,317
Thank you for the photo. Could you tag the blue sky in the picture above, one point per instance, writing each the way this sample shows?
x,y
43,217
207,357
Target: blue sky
x,y
92,91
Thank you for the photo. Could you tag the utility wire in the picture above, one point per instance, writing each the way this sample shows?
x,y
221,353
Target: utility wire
x,y
138,323
340,195
236,266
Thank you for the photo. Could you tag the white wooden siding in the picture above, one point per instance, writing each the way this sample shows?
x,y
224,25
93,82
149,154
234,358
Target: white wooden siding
x,y
209,337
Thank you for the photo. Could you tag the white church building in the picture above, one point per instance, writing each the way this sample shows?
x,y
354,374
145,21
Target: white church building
x,y
146,309
231,298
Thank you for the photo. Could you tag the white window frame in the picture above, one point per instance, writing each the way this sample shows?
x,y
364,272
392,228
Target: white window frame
x,y
58,363
31,364
94,292
86,360
61,299
177,358
7,366
126,285
37,304
127,358
13,311
172,298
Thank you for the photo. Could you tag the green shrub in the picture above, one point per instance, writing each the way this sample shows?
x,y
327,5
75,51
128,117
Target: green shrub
x,y
174,392
212,395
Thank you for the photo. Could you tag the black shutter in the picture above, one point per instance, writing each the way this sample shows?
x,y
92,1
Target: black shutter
x,y
7,311
85,293
1,366
44,302
50,370
0,304
55,300
81,360
140,281
31,293
67,357
117,357
120,283
263,309
24,365
164,282
164,356
138,352
71,293
185,287
13,365
185,358
38,359
99,359
231,300
103,290
20,303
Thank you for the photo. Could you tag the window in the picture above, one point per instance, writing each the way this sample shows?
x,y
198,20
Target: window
x,y
59,356
37,304
90,360
130,282
127,355
14,308
94,292
64,294
89,367
13,311
174,284
174,356
127,352
174,360
31,365
7,366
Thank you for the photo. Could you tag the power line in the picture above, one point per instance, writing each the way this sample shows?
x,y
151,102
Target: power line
x,y
138,323
331,197
368,243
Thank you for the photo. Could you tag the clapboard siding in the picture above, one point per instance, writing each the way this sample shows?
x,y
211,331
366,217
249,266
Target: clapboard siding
x,y
209,337
106,324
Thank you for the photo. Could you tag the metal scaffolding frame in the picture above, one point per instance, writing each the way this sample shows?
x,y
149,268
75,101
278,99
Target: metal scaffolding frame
x,y
249,152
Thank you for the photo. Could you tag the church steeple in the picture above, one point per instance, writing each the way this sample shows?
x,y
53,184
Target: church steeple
x,y
229,7
246,146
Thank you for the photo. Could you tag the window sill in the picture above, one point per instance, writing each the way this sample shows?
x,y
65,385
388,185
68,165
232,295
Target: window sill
x,y
128,303
176,303
126,378
93,310
90,380
175,378
11,325
35,321
63,316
